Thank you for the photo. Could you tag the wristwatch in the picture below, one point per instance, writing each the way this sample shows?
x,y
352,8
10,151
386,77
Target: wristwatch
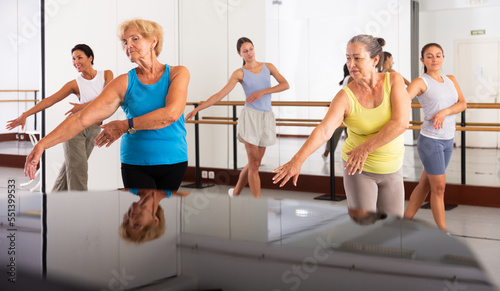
x,y
131,128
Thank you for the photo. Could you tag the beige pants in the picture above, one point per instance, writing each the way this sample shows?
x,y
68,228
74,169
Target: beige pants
x,y
74,171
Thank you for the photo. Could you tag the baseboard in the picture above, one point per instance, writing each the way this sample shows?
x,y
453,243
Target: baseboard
x,y
21,136
455,194
12,161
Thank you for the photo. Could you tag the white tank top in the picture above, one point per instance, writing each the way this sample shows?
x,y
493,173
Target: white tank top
x,y
437,97
90,89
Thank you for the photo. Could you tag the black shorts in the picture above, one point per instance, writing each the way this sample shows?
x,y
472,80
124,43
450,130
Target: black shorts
x,y
166,177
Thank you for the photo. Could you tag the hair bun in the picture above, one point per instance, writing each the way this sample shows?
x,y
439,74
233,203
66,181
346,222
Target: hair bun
x,y
380,41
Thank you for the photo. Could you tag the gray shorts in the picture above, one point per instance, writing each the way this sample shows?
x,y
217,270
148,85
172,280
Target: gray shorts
x,y
257,127
381,193
435,154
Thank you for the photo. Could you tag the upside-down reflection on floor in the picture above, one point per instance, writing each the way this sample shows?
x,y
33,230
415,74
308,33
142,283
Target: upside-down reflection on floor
x,y
283,241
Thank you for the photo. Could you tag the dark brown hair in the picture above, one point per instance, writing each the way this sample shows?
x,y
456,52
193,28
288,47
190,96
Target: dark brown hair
x,y
422,52
240,42
86,50
373,46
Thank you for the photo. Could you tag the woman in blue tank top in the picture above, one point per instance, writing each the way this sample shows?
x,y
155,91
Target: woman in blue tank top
x,y
441,99
153,96
256,123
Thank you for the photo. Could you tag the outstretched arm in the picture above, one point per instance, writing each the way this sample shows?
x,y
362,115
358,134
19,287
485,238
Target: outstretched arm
x,y
69,88
339,108
282,85
101,108
235,78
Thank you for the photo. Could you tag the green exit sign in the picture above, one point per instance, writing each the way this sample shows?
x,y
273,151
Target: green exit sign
x,y
478,32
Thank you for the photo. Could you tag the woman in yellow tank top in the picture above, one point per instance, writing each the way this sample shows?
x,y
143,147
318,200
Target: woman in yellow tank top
x,y
376,111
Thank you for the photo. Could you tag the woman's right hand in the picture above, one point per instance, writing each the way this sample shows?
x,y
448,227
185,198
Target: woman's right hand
x,y
191,114
32,161
21,120
287,171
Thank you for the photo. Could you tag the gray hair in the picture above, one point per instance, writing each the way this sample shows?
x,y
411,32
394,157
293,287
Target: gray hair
x,y
373,46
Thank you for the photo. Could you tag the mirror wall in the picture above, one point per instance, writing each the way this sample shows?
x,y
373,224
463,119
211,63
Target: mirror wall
x,y
20,76
305,41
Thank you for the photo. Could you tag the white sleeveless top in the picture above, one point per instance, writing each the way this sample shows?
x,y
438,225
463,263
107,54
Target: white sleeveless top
x,y
437,97
90,89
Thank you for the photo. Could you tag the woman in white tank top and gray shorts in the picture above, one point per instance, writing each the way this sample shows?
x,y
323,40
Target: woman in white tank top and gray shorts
x,y
441,99
87,86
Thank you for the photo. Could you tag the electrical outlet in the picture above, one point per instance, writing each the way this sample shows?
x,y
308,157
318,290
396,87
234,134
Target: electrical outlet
x,y
211,175
204,174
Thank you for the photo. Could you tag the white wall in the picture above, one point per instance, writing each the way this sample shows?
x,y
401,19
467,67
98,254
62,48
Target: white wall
x,y
209,31
67,25
306,41
447,26
20,48
84,246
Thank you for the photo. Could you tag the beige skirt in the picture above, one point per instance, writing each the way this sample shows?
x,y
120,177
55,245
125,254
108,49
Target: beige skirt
x,y
257,127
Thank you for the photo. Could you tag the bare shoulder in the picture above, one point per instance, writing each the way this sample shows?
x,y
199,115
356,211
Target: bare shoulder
x,y
395,76
71,87
452,78
341,96
270,66
180,71
108,75
238,75
121,78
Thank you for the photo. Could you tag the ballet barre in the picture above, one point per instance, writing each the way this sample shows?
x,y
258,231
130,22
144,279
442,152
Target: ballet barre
x,y
35,100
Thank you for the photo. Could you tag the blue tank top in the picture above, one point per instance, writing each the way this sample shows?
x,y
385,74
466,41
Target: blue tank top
x,y
164,146
255,82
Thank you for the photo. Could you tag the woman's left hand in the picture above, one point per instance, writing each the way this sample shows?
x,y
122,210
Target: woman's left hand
x,y
76,107
439,119
357,158
254,97
32,160
111,132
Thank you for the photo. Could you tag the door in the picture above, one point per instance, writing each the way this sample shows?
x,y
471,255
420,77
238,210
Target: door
x,y
477,71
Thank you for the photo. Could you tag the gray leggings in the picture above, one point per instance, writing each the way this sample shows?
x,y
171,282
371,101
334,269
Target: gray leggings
x,y
381,193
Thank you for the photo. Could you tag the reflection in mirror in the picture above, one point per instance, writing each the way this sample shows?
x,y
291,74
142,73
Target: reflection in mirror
x,y
84,247
365,217
145,219
298,245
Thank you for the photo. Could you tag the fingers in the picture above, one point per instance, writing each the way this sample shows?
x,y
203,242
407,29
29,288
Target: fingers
x,y
30,166
100,140
284,174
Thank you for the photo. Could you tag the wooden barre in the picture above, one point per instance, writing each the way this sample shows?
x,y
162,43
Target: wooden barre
x,y
14,100
277,119
413,127
2,91
319,120
326,104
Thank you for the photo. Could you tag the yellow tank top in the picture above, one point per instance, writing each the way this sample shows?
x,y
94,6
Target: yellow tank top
x,y
363,123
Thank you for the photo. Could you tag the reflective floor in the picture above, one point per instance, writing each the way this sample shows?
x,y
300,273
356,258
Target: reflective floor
x,y
482,165
244,241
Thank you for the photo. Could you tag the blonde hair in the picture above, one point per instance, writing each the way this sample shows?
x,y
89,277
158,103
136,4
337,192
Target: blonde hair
x,y
148,29
148,233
